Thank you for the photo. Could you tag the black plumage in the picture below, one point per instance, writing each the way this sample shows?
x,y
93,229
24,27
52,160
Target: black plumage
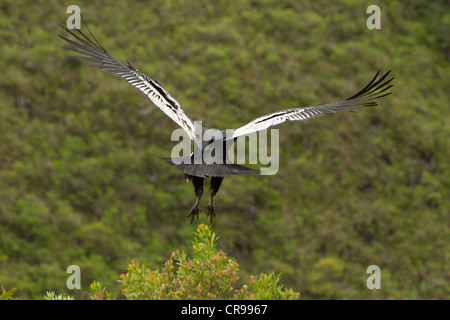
x,y
91,51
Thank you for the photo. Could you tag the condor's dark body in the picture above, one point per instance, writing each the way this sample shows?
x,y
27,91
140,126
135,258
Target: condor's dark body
x,y
204,150
209,167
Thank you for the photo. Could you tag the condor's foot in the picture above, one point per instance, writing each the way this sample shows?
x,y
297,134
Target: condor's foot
x,y
211,211
194,213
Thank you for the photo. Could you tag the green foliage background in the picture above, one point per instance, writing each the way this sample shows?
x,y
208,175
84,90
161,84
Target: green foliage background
x,y
82,182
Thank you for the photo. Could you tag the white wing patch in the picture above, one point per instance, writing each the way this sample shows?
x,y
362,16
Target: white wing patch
x,y
276,118
161,98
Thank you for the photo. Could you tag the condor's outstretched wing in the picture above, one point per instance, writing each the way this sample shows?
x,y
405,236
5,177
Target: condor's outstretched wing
x,y
101,59
365,98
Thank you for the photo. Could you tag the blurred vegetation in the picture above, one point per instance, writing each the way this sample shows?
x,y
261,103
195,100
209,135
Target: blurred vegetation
x,y
82,182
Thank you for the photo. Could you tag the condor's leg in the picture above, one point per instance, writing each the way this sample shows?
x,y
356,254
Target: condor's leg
x,y
198,187
213,189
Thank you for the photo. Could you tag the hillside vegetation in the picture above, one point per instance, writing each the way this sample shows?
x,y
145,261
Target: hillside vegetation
x,y
81,176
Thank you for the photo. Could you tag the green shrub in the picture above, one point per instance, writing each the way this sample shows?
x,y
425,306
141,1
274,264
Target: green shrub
x,y
209,274
51,295
7,294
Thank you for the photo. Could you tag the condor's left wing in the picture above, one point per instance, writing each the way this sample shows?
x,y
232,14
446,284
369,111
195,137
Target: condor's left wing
x,y
99,58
